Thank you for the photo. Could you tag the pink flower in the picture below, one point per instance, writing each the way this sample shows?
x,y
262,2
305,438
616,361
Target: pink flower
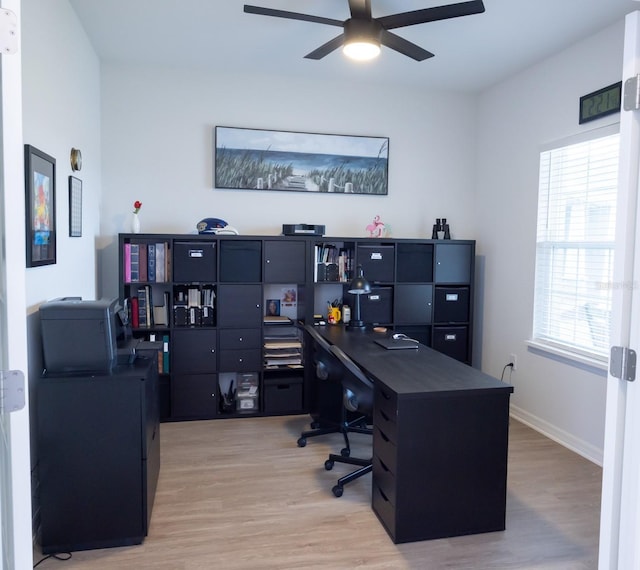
x,y
136,206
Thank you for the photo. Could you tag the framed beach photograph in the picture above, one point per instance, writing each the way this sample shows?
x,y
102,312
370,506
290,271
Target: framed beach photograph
x,y
40,194
254,159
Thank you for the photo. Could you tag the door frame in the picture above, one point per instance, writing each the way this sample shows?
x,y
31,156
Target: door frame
x,y
620,507
19,511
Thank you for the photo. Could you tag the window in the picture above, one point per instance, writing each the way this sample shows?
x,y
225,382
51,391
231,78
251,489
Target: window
x,y
575,246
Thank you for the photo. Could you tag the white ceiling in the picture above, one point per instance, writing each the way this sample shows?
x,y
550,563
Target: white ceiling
x,y
471,53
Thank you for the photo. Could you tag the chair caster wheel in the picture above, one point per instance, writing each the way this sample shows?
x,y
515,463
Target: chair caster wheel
x,y
337,491
328,465
302,442
345,452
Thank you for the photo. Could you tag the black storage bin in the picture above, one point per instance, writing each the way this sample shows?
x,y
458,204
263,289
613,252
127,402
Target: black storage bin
x,y
415,263
194,262
283,394
240,261
375,307
377,262
451,305
452,341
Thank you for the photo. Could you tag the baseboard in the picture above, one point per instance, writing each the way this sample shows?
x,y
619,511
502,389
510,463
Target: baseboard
x,y
562,437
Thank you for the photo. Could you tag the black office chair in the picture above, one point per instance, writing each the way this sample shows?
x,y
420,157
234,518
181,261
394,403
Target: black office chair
x,y
357,397
329,371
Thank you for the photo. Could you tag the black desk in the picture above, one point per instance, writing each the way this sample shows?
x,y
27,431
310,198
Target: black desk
x,y
441,431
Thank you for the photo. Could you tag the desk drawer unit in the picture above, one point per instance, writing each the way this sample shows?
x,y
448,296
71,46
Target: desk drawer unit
x,y
439,469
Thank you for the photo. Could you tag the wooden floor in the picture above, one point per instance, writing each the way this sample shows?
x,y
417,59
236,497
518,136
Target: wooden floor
x,y
240,494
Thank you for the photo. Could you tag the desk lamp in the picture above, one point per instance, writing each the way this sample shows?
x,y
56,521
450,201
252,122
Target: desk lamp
x,y
359,286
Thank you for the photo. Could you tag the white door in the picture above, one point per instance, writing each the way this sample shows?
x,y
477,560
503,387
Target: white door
x,y
620,516
15,478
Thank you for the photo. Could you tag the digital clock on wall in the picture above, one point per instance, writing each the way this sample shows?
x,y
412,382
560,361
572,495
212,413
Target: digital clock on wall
x,y
600,103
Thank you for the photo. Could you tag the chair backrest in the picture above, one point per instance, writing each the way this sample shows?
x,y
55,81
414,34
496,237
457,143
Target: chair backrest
x,y
327,366
358,387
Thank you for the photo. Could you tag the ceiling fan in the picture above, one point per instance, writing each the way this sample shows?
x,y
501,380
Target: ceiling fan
x,y
362,32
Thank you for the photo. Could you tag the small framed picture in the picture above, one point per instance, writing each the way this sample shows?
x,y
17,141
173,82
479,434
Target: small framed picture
x,y
75,207
40,195
273,308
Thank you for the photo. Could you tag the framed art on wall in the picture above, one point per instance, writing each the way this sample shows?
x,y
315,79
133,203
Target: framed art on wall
x,y
40,193
254,159
75,207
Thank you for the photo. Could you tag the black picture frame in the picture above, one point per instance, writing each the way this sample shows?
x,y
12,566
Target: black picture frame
x,y
268,160
40,212
75,207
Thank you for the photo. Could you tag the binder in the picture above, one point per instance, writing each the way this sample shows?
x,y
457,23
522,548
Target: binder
x,y
165,353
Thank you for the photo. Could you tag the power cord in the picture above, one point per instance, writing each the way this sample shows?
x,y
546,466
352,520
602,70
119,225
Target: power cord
x,y
56,556
510,365
401,336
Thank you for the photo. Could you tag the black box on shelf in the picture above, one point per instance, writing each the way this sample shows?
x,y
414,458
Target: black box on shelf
x,y
376,307
194,261
283,394
452,341
377,262
451,305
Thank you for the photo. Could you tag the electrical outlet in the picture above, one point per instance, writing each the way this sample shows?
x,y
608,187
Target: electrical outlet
x,y
513,360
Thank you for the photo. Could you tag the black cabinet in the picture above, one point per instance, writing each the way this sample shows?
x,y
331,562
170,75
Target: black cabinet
x,y
413,304
240,306
206,299
99,457
285,261
454,262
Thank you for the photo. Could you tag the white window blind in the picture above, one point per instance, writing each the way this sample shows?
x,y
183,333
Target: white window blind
x,y
575,246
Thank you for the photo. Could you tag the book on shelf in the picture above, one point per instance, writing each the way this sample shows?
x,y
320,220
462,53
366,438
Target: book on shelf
x,y
151,262
126,258
161,275
146,262
134,317
145,307
135,262
143,262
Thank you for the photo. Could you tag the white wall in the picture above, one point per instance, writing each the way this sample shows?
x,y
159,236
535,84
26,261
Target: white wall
x,y
534,107
158,148
61,110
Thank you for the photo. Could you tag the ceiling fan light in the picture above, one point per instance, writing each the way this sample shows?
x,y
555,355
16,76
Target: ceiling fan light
x,y
361,50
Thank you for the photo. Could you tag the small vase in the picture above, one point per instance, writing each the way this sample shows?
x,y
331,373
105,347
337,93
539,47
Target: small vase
x,y
135,224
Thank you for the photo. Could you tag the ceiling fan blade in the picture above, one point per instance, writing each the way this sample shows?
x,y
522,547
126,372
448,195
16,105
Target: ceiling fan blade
x,y
360,9
403,46
291,15
431,14
327,48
